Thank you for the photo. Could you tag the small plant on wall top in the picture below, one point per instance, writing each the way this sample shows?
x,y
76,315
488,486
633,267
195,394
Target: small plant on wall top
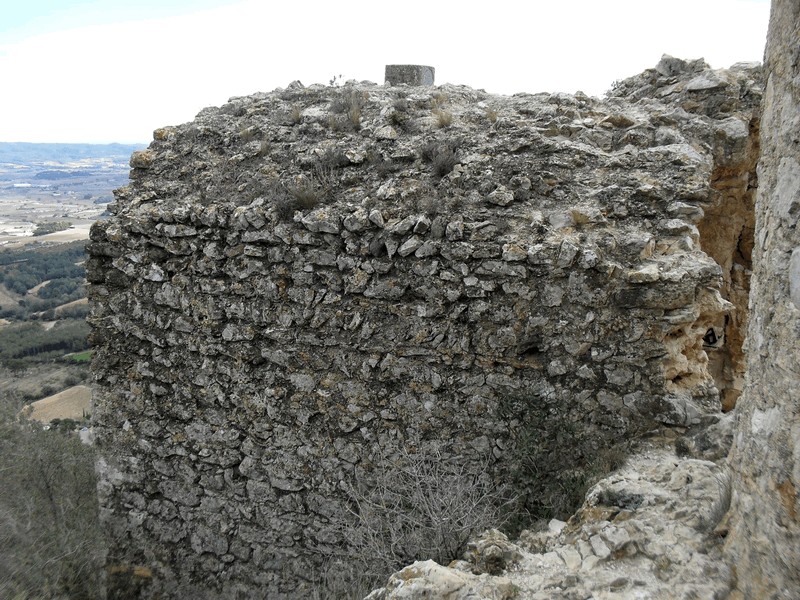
x,y
345,110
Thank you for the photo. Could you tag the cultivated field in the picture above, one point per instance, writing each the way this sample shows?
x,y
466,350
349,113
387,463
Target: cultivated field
x,y
57,191
73,403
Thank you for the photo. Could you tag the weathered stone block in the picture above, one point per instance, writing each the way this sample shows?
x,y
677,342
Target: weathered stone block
x,y
409,74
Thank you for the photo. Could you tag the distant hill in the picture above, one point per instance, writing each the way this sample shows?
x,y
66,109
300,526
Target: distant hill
x,y
27,153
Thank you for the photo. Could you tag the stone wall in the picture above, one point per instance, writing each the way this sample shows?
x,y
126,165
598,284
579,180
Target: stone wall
x,y
299,284
765,537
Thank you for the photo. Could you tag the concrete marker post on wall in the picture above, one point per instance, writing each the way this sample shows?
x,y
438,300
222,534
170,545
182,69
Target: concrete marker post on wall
x,y
409,74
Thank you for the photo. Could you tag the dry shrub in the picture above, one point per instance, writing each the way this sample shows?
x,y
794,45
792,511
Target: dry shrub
x,y
306,193
419,507
400,117
444,162
444,118
354,116
340,579
721,504
303,194
334,158
441,155
554,460
247,134
345,110
295,116
439,99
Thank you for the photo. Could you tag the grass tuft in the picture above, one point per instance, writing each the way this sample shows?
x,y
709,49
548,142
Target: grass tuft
x,y
444,118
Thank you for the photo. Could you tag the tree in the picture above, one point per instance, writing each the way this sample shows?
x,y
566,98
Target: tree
x,y
51,544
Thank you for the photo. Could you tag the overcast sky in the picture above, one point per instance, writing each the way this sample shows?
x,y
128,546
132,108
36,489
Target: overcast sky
x,y
115,70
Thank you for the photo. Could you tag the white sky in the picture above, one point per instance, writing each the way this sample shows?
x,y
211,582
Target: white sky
x,y
78,71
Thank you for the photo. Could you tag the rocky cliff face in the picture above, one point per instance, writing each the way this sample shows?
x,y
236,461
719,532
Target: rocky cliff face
x,y
765,537
300,286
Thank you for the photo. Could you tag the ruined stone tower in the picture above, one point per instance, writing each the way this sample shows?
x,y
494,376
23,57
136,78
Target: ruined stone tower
x,y
297,285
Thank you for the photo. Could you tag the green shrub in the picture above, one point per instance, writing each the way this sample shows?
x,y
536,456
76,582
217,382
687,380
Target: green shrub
x,y
32,342
79,357
22,269
51,227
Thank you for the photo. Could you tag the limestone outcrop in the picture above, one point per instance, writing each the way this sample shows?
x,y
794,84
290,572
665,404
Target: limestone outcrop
x,y
300,286
764,542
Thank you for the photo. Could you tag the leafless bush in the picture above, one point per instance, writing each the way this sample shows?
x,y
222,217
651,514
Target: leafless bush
x,y
419,507
343,580
553,461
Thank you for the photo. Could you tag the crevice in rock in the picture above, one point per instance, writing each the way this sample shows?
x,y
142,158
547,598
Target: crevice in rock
x,y
726,234
688,366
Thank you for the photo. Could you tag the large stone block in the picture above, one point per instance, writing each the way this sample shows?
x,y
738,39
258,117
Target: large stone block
x,y
409,74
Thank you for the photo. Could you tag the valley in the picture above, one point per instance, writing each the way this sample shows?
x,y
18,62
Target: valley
x,y
50,194
64,184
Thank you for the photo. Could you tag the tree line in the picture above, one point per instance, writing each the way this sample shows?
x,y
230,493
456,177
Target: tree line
x,y
23,343
23,269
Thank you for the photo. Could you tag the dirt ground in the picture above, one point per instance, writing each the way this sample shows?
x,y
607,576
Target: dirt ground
x,y
73,403
79,231
41,379
78,302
